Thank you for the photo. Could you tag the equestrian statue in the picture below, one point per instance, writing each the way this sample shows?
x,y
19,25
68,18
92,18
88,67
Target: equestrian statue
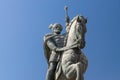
x,y
63,52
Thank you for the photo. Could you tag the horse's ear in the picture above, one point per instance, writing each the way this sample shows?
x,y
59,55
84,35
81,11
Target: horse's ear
x,y
85,20
78,19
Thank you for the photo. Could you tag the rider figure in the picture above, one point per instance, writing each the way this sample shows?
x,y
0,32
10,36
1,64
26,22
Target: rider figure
x,y
55,42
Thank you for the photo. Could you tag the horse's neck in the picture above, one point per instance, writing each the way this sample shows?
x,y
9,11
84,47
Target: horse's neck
x,y
71,36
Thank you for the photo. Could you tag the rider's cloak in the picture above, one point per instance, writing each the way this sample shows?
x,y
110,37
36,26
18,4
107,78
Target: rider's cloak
x,y
47,51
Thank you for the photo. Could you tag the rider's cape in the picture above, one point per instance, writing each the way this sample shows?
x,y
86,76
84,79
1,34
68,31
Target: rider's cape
x,y
47,51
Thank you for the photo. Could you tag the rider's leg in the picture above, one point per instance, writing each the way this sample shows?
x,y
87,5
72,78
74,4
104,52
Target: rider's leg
x,y
51,71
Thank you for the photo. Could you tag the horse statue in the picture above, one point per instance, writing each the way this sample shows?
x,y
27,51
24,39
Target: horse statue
x,y
73,63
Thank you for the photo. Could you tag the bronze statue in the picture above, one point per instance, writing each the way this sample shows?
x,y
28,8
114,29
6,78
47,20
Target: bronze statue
x,y
63,52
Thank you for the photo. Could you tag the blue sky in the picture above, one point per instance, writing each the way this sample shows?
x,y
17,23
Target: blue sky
x,y
23,23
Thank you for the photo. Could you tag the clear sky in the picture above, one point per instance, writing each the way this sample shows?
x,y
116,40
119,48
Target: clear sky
x,y
23,23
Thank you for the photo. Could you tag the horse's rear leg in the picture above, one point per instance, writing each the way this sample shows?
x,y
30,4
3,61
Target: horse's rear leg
x,y
79,71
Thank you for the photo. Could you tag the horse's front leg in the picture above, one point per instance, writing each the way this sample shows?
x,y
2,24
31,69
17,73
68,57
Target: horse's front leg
x,y
79,71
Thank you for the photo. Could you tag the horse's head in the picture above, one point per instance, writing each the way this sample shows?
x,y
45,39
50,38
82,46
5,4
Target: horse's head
x,y
81,30
77,30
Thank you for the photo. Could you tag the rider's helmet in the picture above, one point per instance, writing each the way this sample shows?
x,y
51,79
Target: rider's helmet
x,y
57,28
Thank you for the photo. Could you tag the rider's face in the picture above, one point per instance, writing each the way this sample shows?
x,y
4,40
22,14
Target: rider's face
x,y
56,29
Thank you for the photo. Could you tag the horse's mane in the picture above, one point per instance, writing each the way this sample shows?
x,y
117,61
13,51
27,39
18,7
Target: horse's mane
x,y
72,32
73,20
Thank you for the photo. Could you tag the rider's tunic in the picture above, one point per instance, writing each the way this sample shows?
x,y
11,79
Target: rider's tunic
x,y
57,40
